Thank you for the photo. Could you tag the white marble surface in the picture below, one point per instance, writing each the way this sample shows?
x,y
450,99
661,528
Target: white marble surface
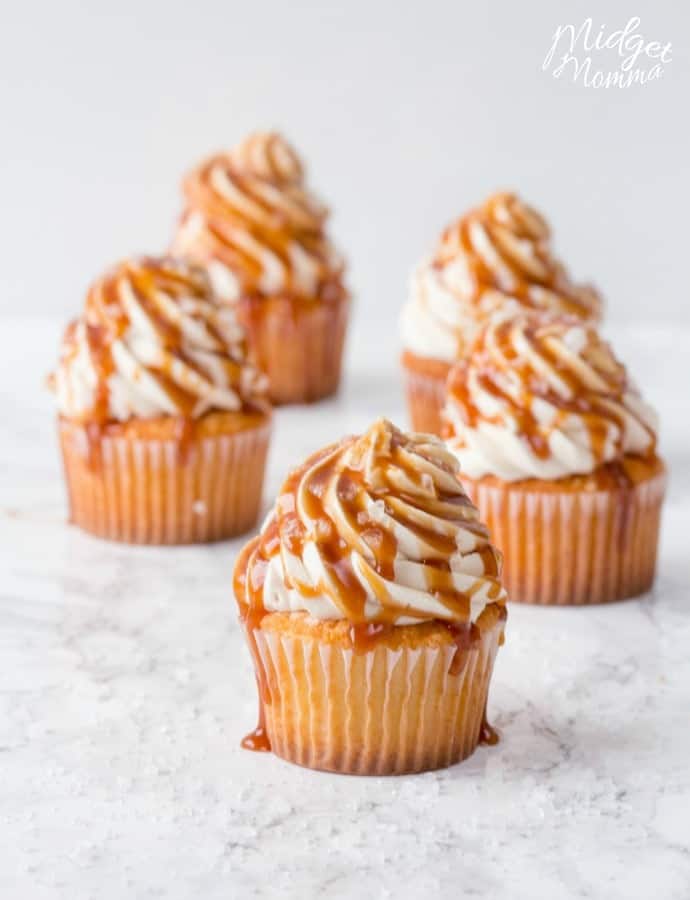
x,y
125,689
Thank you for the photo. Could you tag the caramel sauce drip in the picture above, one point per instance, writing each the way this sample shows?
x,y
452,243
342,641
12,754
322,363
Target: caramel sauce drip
x,y
466,638
494,357
257,740
247,587
101,357
366,635
328,502
185,431
488,734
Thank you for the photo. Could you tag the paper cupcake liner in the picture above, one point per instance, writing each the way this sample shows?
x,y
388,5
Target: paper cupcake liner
x,y
426,397
298,344
150,491
381,712
573,547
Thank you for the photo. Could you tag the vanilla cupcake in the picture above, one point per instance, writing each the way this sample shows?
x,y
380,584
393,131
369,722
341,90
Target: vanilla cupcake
x,y
494,258
558,450
252,222
163,424
373,608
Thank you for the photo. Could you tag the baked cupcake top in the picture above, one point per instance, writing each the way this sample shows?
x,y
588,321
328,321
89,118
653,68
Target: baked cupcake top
x,y
153,341
374,529
543,397
252,221
495,257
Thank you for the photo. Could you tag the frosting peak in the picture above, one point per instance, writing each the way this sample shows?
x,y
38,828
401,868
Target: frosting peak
x,y
507,243
267,155
154,341
378,529
495,257
543,397
251,220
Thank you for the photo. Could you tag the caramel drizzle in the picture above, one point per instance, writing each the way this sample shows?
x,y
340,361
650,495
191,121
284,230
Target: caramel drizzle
x,y
525,225
303,498
494,354
273,219
488,734
157,284
106,322
267,155
247,583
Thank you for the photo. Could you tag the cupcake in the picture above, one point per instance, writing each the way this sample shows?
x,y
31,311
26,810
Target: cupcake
x,y
558,451
494,258
252,222
163,424
373,609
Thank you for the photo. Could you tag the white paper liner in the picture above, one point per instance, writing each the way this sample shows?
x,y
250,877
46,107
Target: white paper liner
x,y
426,397
300,351
573,547
148,491
374,713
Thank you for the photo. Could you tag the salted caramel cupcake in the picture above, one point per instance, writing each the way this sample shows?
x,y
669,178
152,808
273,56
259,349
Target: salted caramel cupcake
x,y
373,608
558,450
163,424
497,257
251,220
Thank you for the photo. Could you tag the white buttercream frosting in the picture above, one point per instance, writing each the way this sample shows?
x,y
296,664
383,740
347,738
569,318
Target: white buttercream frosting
x,y
543,397
153,340
496,258
376,529
252,221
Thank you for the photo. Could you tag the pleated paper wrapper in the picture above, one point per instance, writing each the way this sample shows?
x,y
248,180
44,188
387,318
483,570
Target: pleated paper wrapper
x,y
385,711
299,347
426,396
573,547
150,491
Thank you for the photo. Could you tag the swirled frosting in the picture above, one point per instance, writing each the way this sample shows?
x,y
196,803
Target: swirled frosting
x,y
252,222
494,258
153,340
543,397
377,529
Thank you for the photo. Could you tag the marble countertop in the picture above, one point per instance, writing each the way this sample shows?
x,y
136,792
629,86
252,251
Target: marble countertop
x,y
125,688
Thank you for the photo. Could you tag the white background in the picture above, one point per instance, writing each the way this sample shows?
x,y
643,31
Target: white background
x,y
406,114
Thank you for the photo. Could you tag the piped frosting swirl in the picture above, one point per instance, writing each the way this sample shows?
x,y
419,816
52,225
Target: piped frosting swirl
x,y
543,397
152,341
253,223
495,257
374,529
